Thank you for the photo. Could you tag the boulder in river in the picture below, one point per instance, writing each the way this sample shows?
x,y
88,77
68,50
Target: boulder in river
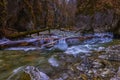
x,y
28,73
61,45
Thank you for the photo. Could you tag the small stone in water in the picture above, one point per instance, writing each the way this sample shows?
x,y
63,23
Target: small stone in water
x,y
53,62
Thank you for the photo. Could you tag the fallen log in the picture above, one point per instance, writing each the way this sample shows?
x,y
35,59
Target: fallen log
x,y
67,40
14,43
40,42
32,42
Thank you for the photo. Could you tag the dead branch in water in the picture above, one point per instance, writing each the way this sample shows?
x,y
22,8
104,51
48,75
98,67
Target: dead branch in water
x,y
42,42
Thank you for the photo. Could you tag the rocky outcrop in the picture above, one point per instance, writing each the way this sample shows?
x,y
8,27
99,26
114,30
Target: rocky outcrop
x,y
21,15
101,17
100,21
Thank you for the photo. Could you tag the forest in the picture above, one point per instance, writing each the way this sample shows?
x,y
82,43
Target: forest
x,y
59,40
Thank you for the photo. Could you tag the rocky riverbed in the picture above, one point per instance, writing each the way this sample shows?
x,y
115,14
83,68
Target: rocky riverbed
x,y
96,59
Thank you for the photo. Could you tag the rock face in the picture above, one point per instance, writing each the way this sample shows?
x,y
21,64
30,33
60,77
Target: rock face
x,y
21,15
99,22
99,16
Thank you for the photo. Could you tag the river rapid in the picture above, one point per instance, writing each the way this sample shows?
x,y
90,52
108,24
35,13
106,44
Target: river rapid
x,y
88,60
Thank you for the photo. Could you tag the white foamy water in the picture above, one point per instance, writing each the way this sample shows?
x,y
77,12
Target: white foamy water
x,y
100,38
4,40
23,48
90,45
74,50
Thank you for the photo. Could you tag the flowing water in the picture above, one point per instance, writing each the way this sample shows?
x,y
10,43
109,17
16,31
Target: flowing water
x,y
30,63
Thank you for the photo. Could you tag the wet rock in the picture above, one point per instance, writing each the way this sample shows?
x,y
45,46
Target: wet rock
x,y
97,64
59,79
64,76
53,62
35,73
102,56
80,68
28,73
118,72
111,53
86,61
16,73
101,49
112,49
85,64
61,45
106,72
116,76
90,72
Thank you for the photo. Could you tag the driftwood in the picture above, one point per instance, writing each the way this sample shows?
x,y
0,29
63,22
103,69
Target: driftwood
x,y
67,39
40,42
14,43
32,42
